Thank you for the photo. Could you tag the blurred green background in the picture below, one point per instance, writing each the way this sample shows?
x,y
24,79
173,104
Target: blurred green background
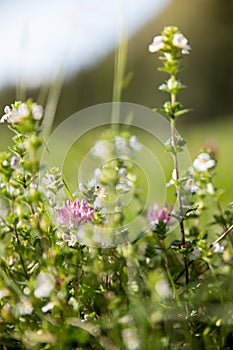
x,y
208,74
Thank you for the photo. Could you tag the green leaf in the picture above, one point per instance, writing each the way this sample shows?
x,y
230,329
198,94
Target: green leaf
x,y
182,248
182,112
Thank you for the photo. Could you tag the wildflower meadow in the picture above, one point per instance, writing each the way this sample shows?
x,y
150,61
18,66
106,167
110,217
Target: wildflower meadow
x,y
129,248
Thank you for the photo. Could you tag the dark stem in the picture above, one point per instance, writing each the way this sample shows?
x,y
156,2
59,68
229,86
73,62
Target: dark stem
x,y
186,265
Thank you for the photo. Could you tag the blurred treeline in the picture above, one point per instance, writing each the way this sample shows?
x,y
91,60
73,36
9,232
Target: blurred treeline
x,y
208,75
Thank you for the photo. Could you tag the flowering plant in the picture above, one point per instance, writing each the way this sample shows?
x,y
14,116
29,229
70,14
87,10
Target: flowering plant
x,y
72,276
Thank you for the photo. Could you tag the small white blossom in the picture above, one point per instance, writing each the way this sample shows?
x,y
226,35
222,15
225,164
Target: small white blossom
x,y
7,110
37,111
96,179
130,339
180,41
134,144
7,115
98,203
203,162
157,44
191,186
44,285
121,145
11,260
122,172
48,306
11,115
72,241
23,111
124,185
195,254
168,56
162,288
170,84
101,149
85,318
4,292
217,248
14,162
24,307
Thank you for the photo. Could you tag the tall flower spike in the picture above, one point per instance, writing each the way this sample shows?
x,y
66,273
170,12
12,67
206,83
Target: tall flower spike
x,y
170,38
17,112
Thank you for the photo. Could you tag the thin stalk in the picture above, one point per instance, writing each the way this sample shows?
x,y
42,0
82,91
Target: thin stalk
x,y
20,256
178,190
228,230
52,103
169,275
119,72
222,236
19,243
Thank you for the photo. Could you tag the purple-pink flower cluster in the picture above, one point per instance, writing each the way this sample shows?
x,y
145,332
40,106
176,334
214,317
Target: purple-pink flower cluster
x,y
157,215
75,213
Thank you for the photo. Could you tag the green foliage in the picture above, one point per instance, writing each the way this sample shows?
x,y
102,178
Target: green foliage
x,y
155,293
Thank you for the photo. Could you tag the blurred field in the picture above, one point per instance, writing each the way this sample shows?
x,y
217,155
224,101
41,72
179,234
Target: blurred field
x,y
217,135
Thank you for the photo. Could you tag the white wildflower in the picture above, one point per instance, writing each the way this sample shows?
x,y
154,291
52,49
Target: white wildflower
x,y
134,144
121,145
14,162
4,292
44,285
7,115
24,307
48,306
162,288
191,186
130,339
170,84
96,179
37,111
23,111
11,116
195,254
168,56
122,172
180,41
217,248
203,162
98,203
101,149
11,260
72,241
123,186
85,318
157,44
65,237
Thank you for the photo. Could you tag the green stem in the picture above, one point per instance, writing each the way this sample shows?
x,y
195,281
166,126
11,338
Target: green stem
x,y
169,275
20,256
119,72
178,189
